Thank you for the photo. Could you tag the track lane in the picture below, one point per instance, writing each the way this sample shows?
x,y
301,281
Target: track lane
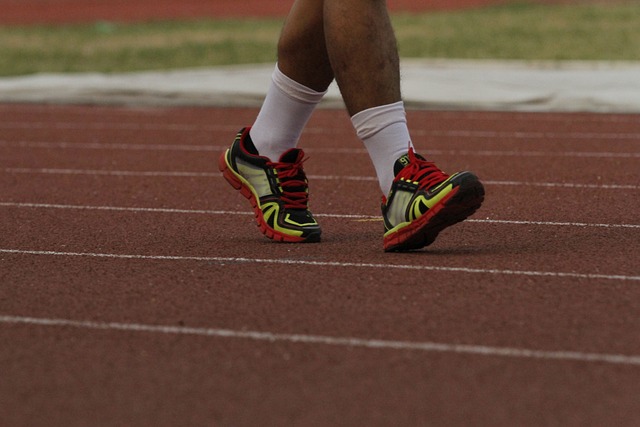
x,y
362,292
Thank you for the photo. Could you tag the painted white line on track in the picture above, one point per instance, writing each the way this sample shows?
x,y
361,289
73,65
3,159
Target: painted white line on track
x,y
154,112
121,126
502,183
564,185
515,116
112,146
609,136
551,223
350,342
516,153
326,215
321,150
451,133
166,210
457,133
235,260
97,172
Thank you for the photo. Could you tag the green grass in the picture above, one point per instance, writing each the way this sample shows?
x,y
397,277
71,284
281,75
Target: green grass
x,y
525,31
516,31
110,47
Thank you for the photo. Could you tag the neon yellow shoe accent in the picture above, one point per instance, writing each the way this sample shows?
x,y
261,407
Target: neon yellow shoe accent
x,y
270,213
423,201
301,224
278,190
441,194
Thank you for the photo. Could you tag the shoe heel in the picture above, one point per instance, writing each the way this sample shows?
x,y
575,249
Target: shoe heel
x,y
227,173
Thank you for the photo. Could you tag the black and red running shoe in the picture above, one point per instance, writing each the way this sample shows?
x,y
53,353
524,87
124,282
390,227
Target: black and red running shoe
x,y
423,201
278,191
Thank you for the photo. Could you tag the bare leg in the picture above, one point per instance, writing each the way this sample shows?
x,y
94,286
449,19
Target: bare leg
x,y
351,39
363,52
302,51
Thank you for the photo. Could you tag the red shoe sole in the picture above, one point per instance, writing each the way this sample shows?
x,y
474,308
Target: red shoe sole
x,y
236,183
457,206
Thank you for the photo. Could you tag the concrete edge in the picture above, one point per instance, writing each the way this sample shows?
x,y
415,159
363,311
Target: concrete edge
x,y
596,86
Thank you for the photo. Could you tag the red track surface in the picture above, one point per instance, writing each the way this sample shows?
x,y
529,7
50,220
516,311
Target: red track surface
x,y
69,11
549,264
135,288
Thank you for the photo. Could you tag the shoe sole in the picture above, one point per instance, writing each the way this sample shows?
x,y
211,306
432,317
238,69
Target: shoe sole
x,y
460,204
240,184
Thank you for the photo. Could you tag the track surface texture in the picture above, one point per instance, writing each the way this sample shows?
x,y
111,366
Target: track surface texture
x,y
136,289
25,12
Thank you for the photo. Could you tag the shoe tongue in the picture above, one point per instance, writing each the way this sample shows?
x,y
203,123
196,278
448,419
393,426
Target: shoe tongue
x,y
400,164
293,155
404,161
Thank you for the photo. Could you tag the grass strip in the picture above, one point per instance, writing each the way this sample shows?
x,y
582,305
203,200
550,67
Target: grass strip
x,y
521,31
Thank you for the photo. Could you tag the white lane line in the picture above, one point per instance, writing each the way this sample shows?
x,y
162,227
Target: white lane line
x,y
233,260
326,215
516,153
96,172
350,342
128,209
609,136
135,126
494,182
320,150
112,146
564,185
452,133
541,116
152,113
552,223
54,171
166,210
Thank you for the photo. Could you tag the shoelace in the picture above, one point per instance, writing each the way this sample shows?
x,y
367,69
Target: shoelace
x,y
293,183
426,173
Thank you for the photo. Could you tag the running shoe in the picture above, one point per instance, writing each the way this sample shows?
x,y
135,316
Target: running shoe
x,y
423,201
278,191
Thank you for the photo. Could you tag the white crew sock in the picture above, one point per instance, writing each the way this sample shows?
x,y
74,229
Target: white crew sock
x,y
384,132
284,114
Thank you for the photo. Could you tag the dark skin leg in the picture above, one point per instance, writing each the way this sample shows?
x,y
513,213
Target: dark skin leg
x,y
349,40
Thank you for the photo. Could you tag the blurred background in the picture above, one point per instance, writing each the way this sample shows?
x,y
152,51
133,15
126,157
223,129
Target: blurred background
x,y
118,36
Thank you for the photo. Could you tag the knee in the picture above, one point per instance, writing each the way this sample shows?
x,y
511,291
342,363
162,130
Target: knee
x,y
296,38
289,44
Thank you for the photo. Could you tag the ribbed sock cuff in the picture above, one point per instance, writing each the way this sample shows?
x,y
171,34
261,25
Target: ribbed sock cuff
x,y
371,121
295,90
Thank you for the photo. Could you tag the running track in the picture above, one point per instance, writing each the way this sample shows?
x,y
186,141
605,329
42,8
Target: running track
x,y
20,12
135,288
